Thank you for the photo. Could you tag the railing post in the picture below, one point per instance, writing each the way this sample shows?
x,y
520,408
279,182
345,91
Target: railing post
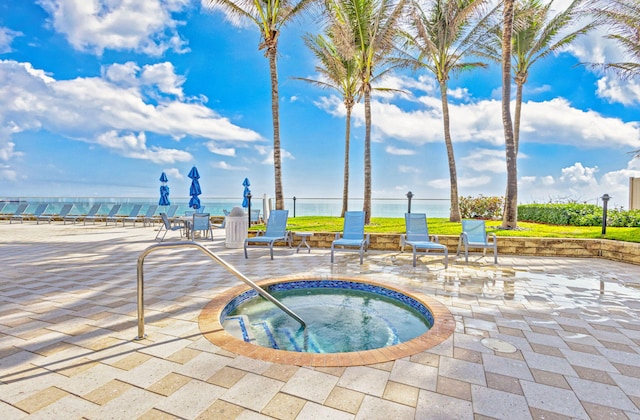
x,y
605,200
294,206
409,196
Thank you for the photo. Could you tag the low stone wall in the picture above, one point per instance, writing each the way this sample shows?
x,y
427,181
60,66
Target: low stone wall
x,y
628,252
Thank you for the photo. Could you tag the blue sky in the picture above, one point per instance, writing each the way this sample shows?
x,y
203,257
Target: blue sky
x,y
97,98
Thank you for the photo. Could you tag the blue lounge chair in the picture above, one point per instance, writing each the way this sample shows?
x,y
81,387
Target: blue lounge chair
x,y
255,216
113,215
92,214
353,235
201,222
166,227
39,214
133,215
474,235
66,217
18,213
418,238
148,218
64,211
276,232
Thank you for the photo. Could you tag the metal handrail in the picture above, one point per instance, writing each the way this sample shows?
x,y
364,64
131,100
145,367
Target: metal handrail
x,y
226,265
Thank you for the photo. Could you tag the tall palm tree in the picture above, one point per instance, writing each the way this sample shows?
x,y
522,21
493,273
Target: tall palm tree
x,y
623,18
365,30
443,34
510,214
536,34
338,73
270,16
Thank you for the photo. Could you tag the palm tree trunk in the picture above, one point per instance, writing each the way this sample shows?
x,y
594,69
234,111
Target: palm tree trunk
x,y
510,215
275,112
345,189
454,214
516,122
367,155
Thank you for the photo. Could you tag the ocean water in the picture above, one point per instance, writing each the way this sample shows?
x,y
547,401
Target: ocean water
x,y
215,206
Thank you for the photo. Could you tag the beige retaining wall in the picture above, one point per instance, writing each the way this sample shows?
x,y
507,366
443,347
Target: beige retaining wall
x,y
628,252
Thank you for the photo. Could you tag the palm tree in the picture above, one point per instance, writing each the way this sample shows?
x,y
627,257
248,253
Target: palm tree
x,y
443,36
536,35
510,214
270,16
365,30
623,18
338,73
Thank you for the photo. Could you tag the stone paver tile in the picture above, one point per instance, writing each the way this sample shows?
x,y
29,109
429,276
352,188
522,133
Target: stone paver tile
x,y
425,358
312,410
253,391
107,392
596,411
226,377
191,399
577,358
541,414
10,412
310,385
169,384
90,379
548,363
401,393
203,366
71,406
373,408
41,399
344,399
183,356
131,361
155,414
221,410
454,388
595,375
468,355
629,385
621,357
546,350
602,394
550,378
504,383
250,365
498,404
148,373
283,406
433,405
365,379
280,372
415,374
506,366
462,370
130,404
553,399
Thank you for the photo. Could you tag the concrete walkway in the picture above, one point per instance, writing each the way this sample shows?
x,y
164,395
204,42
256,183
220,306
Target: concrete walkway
x,y
68,316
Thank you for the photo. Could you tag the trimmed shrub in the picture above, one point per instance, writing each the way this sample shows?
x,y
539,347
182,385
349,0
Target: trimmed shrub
x,y
574,214
481,207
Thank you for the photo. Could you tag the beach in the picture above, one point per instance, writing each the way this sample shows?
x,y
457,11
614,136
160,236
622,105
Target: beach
x,y
68,322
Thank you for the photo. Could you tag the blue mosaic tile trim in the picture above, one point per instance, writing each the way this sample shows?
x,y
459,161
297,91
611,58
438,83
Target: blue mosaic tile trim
x,y
332,284
292,340
351,285
268,333
243,327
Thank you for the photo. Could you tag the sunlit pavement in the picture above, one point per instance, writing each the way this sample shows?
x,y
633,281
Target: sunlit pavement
x,y
68,318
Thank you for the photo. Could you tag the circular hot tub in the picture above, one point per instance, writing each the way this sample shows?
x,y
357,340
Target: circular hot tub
x,y
349,321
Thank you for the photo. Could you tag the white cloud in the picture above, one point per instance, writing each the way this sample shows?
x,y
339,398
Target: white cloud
x,y
399,152
626,92
134,146
226,166
86,108
404,169
481,160
173,174
267,153
213,147
125,25
6,38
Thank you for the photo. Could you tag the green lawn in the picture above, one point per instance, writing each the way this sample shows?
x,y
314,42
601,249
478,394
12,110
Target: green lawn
x,y
444,227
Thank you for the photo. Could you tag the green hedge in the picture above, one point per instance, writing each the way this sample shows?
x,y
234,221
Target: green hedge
x,y
577,215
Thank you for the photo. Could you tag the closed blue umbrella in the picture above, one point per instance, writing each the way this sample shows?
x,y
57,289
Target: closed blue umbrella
x,y
164,191
247,191
194,190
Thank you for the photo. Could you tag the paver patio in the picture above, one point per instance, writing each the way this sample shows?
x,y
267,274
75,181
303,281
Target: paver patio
x,y
68,316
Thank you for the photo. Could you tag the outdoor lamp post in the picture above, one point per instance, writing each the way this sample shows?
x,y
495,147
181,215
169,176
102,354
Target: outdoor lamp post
x,y
605,200
294,206
409,196
249,207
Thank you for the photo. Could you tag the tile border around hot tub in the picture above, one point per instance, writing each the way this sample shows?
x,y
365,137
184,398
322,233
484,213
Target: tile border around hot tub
x,y
211,328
